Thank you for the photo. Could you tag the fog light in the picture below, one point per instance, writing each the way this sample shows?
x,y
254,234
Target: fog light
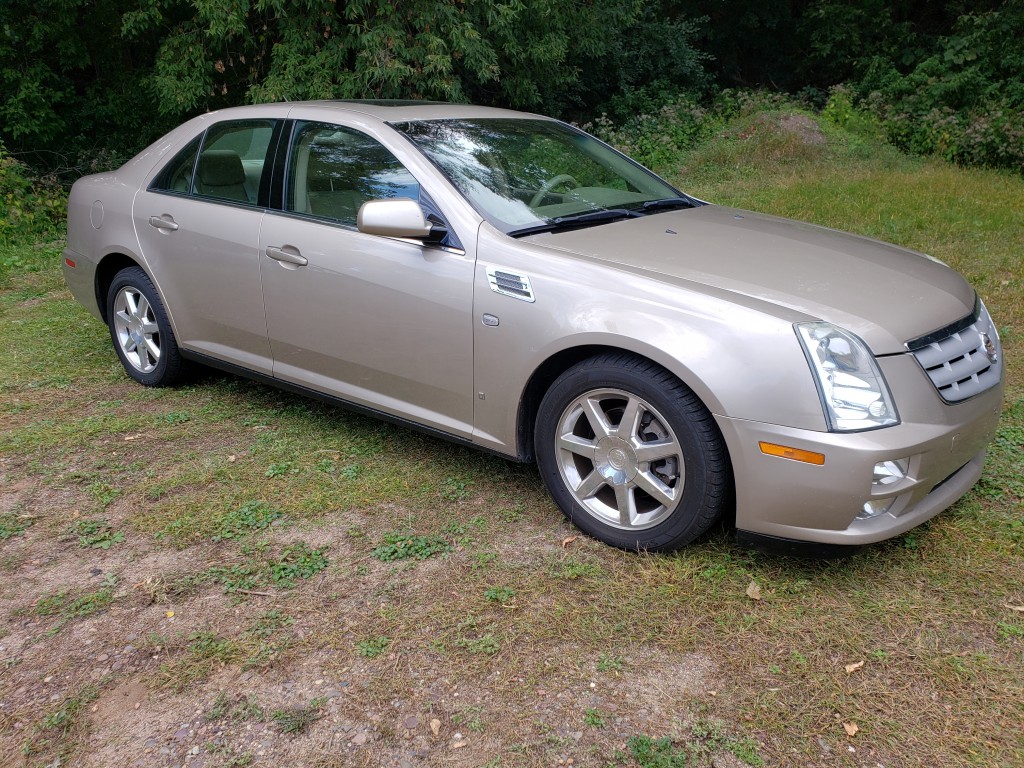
x,y
889,472
876,508
884,474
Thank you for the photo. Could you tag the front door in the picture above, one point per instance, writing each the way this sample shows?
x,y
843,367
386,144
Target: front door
x,y
378,321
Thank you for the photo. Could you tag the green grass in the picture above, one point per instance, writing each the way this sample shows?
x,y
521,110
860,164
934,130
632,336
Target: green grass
x,y
445,560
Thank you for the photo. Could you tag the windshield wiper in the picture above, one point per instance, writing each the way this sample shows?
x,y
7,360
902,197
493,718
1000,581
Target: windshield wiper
x,y
587,219
666,202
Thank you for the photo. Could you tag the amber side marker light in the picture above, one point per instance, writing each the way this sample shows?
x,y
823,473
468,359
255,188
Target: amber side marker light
x,y
796,454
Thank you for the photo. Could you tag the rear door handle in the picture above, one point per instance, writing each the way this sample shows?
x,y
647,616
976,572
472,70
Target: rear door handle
x,y
287,254
161,223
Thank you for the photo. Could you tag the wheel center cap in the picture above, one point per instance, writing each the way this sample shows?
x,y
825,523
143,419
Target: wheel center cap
x,y
615,460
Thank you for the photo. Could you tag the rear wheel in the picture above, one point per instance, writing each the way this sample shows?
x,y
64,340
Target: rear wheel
x,y
141,332
631,455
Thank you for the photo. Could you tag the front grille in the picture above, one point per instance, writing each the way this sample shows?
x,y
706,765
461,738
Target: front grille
x,y
963,359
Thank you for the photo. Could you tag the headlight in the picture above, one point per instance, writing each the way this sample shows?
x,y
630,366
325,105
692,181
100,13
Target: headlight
x,y
853,392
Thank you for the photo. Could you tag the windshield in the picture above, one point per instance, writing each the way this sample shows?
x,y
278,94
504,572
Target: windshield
x,y
531,175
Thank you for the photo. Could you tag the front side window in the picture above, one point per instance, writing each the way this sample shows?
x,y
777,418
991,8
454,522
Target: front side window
x,y
333,170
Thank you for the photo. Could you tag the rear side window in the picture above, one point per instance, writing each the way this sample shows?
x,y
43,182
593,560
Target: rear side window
x,y
177,174
226,163
333,170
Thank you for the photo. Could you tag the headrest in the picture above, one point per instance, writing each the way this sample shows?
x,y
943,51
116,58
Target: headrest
x,y
220,168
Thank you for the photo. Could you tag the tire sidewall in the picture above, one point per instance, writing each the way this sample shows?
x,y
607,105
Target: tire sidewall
x,y
677,404
166,369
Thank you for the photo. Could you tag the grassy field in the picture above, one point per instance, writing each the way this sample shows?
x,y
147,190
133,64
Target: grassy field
x,y
227,575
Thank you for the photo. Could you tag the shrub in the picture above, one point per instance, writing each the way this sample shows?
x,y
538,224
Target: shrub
x,y
31,207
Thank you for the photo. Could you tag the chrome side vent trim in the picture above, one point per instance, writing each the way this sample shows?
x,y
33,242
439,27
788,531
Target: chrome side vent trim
x,y
510,284
962,360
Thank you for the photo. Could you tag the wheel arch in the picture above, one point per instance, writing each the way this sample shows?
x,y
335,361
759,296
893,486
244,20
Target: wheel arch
x,y
106,270
557,363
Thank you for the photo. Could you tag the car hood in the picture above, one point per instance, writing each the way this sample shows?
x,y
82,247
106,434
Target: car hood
x,y
883,293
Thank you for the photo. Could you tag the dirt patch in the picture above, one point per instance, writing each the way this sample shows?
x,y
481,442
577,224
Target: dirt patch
x,y
803,127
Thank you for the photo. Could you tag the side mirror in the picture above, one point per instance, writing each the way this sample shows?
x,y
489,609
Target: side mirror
x,y
396,217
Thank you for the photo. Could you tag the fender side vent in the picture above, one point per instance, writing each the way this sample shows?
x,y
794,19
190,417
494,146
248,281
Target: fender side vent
x,y
510,284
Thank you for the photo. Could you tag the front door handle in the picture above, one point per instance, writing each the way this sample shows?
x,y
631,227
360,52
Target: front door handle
x,y
287,254
161,223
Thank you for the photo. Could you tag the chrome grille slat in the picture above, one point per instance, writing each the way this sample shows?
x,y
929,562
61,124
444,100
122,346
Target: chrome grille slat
x,y
960,365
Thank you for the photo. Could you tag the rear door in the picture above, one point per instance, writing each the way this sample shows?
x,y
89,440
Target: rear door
x,y
198,225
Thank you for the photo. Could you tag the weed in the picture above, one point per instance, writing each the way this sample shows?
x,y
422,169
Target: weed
x,y
282,469
1007,631
205,652
350,471
297,561
486,645
455,489
177,417
607,662
327,466
483,560
251,516
499,594
68,608
97,534
594,718
298,719
13,525
471,718
60,722
103,493
270,622
398,546
373,647
572,569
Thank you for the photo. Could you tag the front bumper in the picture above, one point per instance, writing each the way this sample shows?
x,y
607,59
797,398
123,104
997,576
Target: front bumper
x,y
787,499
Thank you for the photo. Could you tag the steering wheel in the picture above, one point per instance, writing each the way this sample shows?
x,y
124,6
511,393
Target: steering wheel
x,y
547,186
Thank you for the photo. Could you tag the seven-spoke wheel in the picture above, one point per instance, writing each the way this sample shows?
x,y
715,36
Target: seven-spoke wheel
x,y
141,331
631,455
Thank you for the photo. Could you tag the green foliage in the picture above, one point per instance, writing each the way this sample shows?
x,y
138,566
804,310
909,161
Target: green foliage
x,y
964,101
298,719
373,647
399,546
706,739
13,525
260,569
297,561
96,534
499,594
251,516
520,52
594,718
656,138
31,207
59,723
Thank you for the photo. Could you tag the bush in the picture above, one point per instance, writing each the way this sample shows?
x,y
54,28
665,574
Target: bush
x,y
31,207
656,138
965,102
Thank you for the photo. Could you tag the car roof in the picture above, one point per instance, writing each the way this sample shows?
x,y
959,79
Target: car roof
x,y
385,110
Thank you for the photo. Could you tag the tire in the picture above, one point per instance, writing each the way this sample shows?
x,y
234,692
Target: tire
x,y
141,332
631,455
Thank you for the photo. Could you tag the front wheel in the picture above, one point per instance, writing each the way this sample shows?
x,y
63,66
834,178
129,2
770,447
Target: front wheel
x,y
631,455
141,332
